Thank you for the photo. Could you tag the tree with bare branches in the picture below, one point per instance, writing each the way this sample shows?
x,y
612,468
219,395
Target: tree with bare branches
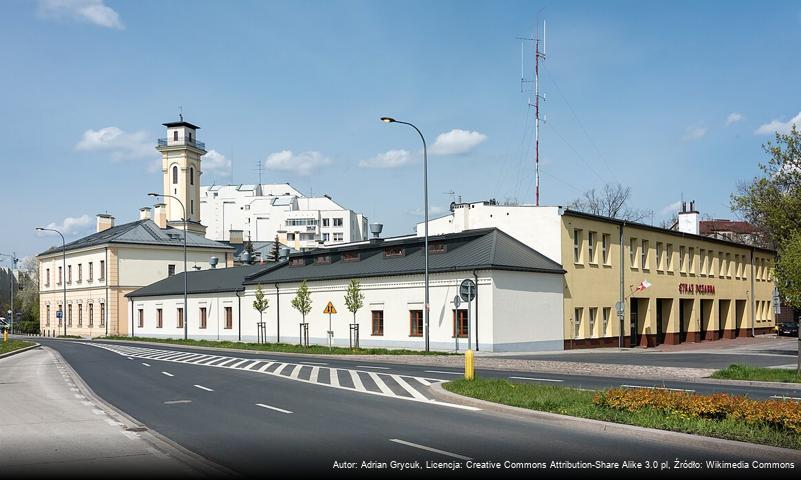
x,y
612,201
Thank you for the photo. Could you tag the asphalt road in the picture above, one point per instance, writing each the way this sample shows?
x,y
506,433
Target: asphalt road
x,y
254,423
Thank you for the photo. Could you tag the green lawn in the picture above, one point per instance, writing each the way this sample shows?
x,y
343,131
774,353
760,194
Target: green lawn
x,y
745,372
578,403
281,347
12,345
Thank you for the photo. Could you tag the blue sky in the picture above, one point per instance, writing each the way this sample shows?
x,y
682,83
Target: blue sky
x,y
672,98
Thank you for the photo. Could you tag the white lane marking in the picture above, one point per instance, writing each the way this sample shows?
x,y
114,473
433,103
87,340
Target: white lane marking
x,y
295,372
430,449
278,370
314,373
254,363
130,358
441,371
193,358
380,384
175,402
208,360
266,366
423,381
204,388
538,379
408,388
782,397
273,408
371,366
168,374
334,376
657,388
145,364
181,358
237,364
357,381
314,363
221,364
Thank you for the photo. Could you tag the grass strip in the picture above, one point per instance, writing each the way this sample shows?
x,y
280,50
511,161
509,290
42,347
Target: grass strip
x,y
280,347
579,403
12,345
745,372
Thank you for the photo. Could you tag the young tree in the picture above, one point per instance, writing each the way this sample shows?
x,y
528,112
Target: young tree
x,y
260,304
302,301
354,298
788,270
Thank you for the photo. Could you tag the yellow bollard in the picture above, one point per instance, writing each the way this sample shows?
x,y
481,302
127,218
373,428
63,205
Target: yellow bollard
x,y
469,365
5,335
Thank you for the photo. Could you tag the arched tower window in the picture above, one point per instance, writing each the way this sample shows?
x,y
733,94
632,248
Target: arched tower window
x,y
191,175
175,175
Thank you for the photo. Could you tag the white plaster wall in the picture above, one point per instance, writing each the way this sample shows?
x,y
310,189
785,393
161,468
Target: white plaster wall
x,y
527,311
143,266
83,257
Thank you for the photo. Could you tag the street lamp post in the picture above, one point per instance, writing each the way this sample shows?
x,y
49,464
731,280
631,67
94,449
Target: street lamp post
x,y
63,274
186,274
425,202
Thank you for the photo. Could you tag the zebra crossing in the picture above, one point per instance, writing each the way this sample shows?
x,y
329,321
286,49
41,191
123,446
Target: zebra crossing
x,y
363,381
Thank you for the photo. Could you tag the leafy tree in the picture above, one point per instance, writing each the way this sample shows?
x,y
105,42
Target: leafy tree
x,y
788,270
27,295
354,298
611,202
302,301
261,303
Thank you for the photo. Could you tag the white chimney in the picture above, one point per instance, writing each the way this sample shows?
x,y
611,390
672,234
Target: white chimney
x,y
160,214
104,221
689,219
145,213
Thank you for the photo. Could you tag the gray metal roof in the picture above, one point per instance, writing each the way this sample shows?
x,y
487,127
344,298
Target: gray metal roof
x,y
203,281
144,232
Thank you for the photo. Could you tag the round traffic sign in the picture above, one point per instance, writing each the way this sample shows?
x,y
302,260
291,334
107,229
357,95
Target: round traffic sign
x,y
467,290
457,301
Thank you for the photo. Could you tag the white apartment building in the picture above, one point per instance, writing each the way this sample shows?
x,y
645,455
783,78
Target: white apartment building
x,y
265,211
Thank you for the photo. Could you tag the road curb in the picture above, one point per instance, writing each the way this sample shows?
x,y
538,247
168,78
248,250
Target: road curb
x,y
19,350
599,426
203,466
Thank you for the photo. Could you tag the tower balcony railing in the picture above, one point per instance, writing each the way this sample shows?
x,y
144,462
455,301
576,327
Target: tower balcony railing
x,y
165,142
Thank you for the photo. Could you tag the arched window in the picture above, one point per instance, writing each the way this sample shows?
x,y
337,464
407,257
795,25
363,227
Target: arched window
x,y
191,175
175,175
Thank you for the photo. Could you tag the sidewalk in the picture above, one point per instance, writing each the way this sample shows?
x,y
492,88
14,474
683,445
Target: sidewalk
x,y
51,425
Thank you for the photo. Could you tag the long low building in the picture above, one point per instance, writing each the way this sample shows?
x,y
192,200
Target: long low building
x,y
518,306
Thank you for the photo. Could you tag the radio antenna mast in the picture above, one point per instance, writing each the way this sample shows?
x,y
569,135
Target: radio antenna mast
x,y
538,54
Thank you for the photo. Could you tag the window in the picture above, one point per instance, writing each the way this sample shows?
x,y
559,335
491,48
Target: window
x,y
80,272
350,256
290,236
300,222
170,270
47,278
175,135
326,222
159,318
91,271
175,175
633,252
337,222
62,314
60,276
190,137
591,246
191,169
659,256
69,274
644,255
326,237
721,265
438,247
47,318
203,317
229,318
593,316
460,323
378,322
141,318
576,245
180,317
102,314
80,315
297,262
91,315
682,259
338,236
692,261
607,313
323,259
192,207
577,322
393,252
669,254
102,269
69,316
415,323
605,248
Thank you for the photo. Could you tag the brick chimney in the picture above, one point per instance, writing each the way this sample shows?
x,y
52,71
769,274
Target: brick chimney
x,y
104,221
160,214
145,213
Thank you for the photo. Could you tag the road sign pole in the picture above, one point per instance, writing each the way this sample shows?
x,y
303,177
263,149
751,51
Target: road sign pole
x,y
469,299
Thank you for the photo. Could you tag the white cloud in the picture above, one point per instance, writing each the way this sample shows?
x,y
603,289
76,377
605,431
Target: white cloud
x,y
215,162
301,164
671,208
694,133
120,144
390,159
456,141
68,226
779,126
91,11
734,117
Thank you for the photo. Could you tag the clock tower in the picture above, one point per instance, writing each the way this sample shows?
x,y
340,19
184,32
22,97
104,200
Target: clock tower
x,y
181,153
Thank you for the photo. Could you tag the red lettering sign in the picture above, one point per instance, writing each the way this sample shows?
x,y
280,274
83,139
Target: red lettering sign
x,y
690,288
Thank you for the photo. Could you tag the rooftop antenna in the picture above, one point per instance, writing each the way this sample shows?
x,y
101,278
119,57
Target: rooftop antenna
x,y
181,112
452,194
538,54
